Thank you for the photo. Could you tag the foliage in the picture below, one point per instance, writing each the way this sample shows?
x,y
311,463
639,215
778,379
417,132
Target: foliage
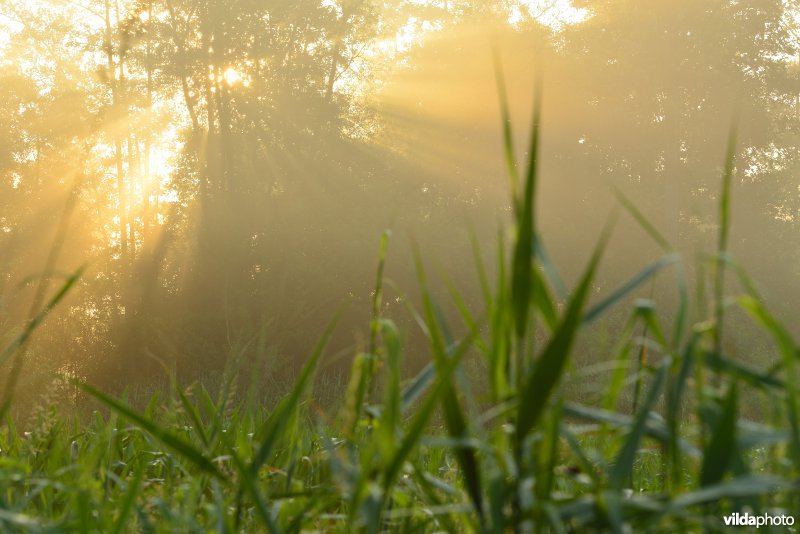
x,y
430,455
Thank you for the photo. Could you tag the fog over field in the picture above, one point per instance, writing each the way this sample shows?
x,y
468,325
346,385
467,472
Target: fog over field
x,y
223,171
412,266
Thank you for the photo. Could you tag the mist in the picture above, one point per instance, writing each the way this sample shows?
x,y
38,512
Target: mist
x,y
222,172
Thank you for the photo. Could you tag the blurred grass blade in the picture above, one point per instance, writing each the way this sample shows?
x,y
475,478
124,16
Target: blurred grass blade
x,y
725,196
441,344
788,351
418,385
483,278
273,428
741,372
508,134
745,486
539,384
717,457
634,212
129,502
252,488
23,337
423,413
523,258
391,417
625,289
654,428
549,268
623,465
722,244
192,412
543,301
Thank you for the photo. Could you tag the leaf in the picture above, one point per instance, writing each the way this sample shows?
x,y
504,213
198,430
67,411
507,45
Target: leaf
x,y
717,457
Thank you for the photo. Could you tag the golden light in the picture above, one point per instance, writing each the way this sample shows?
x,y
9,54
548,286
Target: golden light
x,y
231,76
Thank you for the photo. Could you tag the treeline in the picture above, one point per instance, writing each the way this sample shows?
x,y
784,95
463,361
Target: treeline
x,y
225,169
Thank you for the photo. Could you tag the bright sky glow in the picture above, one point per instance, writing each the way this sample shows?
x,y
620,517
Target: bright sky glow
x,y
553,13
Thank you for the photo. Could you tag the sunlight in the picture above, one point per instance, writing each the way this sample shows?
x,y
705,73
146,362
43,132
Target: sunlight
x,y
233,77
553,13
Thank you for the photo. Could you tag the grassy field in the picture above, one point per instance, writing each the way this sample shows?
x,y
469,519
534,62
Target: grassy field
x,y
668,447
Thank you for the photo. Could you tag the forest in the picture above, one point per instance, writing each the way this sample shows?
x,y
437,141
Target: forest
x,y
398,265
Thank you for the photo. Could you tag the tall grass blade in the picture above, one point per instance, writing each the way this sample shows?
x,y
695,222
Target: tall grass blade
x,y
418,385
440,343
722,244
192,412
522,263
549,268
423,414
508,134
719,453
272,429
129,502
182,447
625,289
34,323
623,465
539,384
639,217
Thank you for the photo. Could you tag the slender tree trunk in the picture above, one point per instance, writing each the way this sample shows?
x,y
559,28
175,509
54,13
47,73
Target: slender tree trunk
x,y
182,73
148,138
115,106
133,167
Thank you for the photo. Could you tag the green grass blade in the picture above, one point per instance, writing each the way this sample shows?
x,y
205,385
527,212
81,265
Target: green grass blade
x,y
483,278
192,412
623,465
185,449
522,262
418,385
639,217
625,289
252,488
423,414
539,384
130,500
543,301
278,420
719,453
722,244
746,486
508,134
549,268
441,343
34,323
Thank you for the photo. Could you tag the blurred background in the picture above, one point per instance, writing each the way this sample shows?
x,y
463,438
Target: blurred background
x,y
224,169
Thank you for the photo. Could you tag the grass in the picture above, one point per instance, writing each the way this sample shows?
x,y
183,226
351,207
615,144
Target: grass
x,y
427,454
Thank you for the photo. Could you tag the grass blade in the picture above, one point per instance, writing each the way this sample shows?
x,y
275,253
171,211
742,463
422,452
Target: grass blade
x,y
626,288
623,465
539,384
718,455
274,426
185,449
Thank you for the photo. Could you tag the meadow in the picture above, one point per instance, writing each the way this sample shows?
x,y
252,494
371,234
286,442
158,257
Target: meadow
x,y
496,445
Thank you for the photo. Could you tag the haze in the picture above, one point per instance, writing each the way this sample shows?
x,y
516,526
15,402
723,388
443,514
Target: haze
x,y
224,171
